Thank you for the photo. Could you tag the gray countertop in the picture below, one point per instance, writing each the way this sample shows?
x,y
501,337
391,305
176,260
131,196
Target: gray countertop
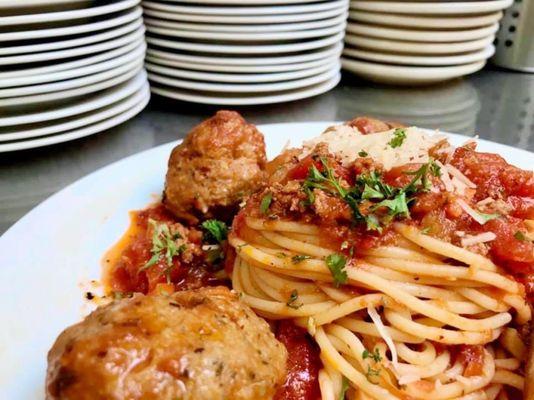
x,y
497,105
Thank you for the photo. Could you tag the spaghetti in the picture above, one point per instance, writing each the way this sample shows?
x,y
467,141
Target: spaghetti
x,y
398,312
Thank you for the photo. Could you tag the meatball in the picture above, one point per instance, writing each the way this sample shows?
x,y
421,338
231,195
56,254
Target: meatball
x,y
371,125
221,161
198,344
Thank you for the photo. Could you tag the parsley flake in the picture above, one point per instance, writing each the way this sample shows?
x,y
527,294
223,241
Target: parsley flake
x,y
363,153
370,373
214,230
373,355
299,257
520,236
336,264
398,138
488,217
266,203
293,298
344,388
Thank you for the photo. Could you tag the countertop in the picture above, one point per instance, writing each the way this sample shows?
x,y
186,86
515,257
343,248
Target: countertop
x,y
495,104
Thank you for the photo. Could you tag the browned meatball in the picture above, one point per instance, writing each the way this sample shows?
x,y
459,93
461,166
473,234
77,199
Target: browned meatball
x,y
200,344
371,125
220,162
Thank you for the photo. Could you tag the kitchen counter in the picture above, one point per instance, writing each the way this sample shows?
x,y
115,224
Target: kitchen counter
x,y
495,104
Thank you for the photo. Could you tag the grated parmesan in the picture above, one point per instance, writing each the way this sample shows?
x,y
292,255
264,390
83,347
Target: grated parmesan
x,y
471,212
347,142
476,239
455,172
444,176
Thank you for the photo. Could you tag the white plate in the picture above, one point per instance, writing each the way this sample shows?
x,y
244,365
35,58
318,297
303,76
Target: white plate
x,y
252,11
323,23
422,35
240,78
30,3
404,59
417,21
76,121
315,54
81,62
69,233
247,49
244,69
136,54
398,46
92,103
423,7
67,15
119,20
245,88
404,75
248,36
240,2
67,94
249,19
75,52
62,44
134,61
79,133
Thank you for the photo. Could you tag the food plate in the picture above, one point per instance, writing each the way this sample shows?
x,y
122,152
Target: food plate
x,y
45,281
424,7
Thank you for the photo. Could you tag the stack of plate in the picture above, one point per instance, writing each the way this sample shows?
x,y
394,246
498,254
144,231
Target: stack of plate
x,y
220,52
68,69
420,42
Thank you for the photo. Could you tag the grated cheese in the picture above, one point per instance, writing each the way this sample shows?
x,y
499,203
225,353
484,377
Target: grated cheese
x,y
458,185
480,238
347,142
471,212
455,172
445,177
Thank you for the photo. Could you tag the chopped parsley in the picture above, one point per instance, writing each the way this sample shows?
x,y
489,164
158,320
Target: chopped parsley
x,y
336,264
266,203
488,217
293,300
281,255
375,355
344,388
298,258
363,153
520,236
164,247
398,138
214,231
370,373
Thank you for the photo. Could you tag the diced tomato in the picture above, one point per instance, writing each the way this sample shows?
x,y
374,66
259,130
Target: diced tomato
x,y
523,207
301,170
473,359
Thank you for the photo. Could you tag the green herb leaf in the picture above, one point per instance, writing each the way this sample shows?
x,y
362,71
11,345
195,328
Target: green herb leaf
x,y
293,300
396,206
398,138
344,388
298,258
375,355
266,203
370,373
520,236
215,230
488,217
336,264
362,153
371,193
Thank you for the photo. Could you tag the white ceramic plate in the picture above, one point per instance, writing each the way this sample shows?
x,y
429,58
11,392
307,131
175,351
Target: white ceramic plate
x,y
240,78
431,7
88,104
263,28
72,83
42,281
422,35
405,75
315,54
79,133
248,19
75,52
417,21
76,121
29,3
244,88
63,44
119,20
135,54
248,36
67,15
404,59
247,49
243,69
240,2
398,46
237,10
67,94
81,62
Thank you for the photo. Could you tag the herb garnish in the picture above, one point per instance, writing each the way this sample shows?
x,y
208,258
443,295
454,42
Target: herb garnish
x,y
487,217
398,138
299,257
344,388
266,203
520,236
375,355
336,264
292,302
214,230
362,153
164,246
372,372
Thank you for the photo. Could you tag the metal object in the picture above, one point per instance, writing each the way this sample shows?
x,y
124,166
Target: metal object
x,y
515,39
